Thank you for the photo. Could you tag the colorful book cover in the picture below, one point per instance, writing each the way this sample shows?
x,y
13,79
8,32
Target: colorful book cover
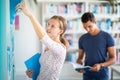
x,y
33,64
17,23
13,4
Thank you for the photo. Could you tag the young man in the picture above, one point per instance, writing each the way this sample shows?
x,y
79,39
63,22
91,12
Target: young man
x,y
98,47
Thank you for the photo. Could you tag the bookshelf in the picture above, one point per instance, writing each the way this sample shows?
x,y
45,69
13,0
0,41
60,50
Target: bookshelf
x,y
107,19
6,43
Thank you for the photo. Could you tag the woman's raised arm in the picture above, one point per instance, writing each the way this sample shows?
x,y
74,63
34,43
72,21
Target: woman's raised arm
x,y
37,26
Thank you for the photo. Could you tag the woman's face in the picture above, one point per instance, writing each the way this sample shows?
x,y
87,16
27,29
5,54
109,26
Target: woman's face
x,y
53,28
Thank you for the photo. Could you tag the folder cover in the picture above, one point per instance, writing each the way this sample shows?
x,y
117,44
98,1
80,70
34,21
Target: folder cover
x,y
33,64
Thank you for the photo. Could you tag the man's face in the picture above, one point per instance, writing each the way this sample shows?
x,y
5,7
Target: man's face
x,y
90,27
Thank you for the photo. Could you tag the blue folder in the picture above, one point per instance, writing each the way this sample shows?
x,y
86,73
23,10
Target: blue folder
x,y
33,64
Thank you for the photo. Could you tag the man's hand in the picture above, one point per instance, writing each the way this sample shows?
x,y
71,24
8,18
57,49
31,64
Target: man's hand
x,y
96,67
79,61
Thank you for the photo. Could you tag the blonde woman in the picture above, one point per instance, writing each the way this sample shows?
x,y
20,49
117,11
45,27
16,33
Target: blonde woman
x,y
53,57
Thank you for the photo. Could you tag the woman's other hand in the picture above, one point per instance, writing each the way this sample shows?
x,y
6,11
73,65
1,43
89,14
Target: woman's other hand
x,y
29,73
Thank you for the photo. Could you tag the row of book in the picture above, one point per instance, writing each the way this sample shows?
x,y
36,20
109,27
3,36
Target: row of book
x,y
73,39
116,25
104,8
74,25
116,37
78,8
118,56
103,24
70,8
72,57
10,52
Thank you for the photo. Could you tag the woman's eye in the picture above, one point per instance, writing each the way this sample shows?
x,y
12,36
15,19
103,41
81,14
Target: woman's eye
x,y
52,26
90,26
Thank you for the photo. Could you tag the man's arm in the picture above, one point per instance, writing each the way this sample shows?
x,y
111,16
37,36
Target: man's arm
x,y
112,57
110,61
80,57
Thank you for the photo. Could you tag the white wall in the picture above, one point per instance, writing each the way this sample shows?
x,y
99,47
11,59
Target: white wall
x,y
26,42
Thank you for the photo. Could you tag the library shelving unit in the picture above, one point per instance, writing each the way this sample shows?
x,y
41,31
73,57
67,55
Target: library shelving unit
x,y
6,43
108,19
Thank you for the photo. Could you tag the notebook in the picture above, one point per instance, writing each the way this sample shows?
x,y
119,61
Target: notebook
x,y
84,68
32,63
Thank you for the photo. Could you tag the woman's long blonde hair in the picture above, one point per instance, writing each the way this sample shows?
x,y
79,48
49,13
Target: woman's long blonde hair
x,y
63,25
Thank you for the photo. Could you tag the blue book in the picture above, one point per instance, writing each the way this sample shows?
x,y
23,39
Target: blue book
x,y
33,64
84,68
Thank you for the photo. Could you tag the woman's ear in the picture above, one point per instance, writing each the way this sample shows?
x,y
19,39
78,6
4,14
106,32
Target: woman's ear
x,y
61,31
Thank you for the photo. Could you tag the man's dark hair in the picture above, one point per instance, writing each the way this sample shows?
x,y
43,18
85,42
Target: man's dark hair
x,y
88,16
